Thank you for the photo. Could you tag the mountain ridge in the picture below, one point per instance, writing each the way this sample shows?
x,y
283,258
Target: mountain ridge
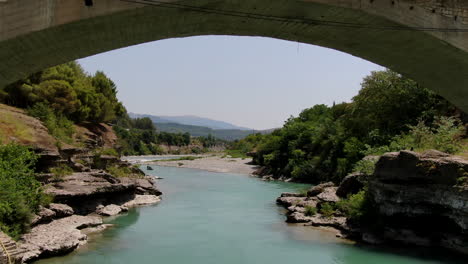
x,y
191,120
165,125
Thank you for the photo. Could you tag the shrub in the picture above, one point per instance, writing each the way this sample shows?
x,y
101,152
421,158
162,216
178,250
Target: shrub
x,y
444,134
59,172
327,209
354,207
310,210
107,152
366,166
303,192
119,171
20,192
57,124
462,181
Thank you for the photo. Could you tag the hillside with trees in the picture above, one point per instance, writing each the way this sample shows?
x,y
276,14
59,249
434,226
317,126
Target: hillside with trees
x,y
171,126
325,143
65,95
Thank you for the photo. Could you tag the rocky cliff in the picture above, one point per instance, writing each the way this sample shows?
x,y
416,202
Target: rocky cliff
x,y
422,198
416,199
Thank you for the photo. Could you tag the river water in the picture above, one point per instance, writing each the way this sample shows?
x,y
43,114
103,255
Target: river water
x,y
220,218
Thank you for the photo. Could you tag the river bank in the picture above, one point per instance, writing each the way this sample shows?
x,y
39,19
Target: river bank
x,y
412,199
207,218
82,201
216,163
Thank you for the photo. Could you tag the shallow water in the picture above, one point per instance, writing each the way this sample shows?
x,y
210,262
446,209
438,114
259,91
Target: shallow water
x,y
224,218
149,158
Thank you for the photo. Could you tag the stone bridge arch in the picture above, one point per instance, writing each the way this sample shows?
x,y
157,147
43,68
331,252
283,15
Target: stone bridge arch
x,y
426,40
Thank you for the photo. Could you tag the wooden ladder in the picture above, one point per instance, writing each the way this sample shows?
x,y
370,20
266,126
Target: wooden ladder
x,y
9,252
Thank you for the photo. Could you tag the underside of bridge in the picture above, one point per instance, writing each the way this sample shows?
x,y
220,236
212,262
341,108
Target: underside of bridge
x,y
422,39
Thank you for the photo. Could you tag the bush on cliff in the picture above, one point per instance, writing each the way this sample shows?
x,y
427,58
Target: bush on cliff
x,y
59,172
20,193
355,206
327,209
444,134
57,124
310,210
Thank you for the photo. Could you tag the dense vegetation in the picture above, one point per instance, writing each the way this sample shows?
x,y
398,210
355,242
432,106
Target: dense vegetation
x,y
20,193
138,136
68,91
199,127
63,95
324,143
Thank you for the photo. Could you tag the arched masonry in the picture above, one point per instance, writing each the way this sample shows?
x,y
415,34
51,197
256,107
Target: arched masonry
x,y
426,40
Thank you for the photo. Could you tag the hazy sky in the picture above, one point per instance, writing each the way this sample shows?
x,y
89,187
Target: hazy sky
x,y
248,81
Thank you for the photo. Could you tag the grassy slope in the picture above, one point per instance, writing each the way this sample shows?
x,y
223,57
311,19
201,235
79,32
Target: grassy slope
x,y
16,126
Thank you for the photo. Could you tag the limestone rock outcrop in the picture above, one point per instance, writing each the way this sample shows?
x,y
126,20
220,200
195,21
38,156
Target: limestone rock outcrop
x,y
423,198
298,206
417,199
85,191
58,237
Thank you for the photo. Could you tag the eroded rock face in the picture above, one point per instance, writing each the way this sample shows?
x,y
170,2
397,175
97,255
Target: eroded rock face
x,y
420,198
58,231
58,237
351,184
85,191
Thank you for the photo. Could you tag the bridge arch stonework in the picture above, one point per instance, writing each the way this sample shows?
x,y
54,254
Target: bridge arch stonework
x,y
426,40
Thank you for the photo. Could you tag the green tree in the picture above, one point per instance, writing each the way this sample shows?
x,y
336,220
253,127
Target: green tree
x,y
20,193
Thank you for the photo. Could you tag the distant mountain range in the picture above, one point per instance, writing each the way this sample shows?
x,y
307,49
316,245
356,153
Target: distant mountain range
x,y
191,121
199,126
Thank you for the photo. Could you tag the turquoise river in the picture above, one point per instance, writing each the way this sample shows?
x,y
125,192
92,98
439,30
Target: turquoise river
x,y
214,218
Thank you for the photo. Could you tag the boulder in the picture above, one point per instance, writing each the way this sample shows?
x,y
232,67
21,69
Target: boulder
x,y
288,201
298,217
109,210
312,202
334,221
294,208
319,188
143,200
328,195
61,210
351,184
44,215
147,186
